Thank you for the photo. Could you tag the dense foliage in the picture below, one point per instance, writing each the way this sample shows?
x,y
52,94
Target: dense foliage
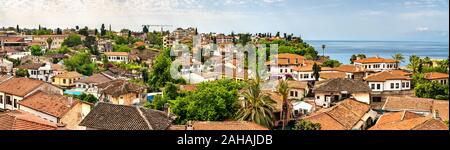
x,y
72,41
306,125
212,101
331,63
81,63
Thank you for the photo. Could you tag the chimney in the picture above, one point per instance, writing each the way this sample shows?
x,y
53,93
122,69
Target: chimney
x,y
189,126
70,101
436,115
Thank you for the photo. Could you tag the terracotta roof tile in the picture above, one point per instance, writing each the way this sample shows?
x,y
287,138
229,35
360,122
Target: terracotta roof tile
x,y
107,116
116,53
20,86
34,66
332,75
375,60
397,103
339,84
386,75
51,104
405,120
20,120
344,116
297,84
226,125
96,78
435,75
71,74
119,87
442,107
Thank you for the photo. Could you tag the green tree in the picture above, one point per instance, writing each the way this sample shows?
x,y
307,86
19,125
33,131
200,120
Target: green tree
x,y
36,50
427,61
49,43
17,29
121,48
81,62
160,73
87,98
331,63
22,73
120,40
432,90
145,29
398,58
323,49
212,101
283,90
316,71
257,106
89,42
102,30
72,41
306,125
414,62
355,57
84,31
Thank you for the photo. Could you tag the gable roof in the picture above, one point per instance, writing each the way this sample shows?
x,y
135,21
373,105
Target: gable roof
x,y
339,84
297,85
116,53
107,116
344,116
20,120
405,120
51,104
332,75
349,68
119,87
71,74
375,60
387,75
34,66
226,125
20,86
435,75
397,103
96,78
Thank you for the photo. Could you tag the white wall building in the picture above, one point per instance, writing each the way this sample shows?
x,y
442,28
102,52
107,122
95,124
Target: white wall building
x,y
376,64
388,81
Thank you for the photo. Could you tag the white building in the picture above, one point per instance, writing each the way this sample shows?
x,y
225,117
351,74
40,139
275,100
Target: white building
x,y
331,91
39,71
15,89
6,66
290,64
117,56
388,81
376,64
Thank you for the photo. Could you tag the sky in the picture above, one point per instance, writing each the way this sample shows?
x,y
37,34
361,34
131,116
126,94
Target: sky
x,y
381,20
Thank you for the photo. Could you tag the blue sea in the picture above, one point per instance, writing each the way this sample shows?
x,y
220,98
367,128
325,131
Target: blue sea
x,y
343,50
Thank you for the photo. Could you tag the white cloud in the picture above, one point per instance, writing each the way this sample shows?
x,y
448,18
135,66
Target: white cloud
x,y
425,3
422,29
371,13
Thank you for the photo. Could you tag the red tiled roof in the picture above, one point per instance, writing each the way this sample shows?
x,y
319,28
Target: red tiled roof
x,y
20,120
435,75
375,60
226,125
405,120
387,75
51,104
20,86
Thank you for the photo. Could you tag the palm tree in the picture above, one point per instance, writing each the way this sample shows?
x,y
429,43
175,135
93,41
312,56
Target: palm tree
x,y
283,90
398,58
414,62
323,49
427,61
257,106
49,42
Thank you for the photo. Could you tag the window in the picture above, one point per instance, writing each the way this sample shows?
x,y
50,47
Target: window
x,y
15,103
378,86
296,94
64,81
392,85
281,70
8,100
1,99
301,76
397,85
376,99
407,84
292,93
306,76
372,86
403,85
318,97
